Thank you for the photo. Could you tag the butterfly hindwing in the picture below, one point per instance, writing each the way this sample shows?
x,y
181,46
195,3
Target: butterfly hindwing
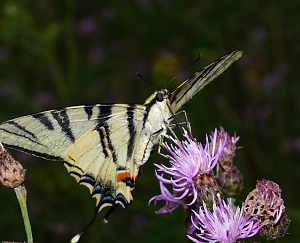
x,y
101,159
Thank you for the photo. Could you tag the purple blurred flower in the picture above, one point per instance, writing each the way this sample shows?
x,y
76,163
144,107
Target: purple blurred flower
x,y
224,224
87,26
96,55
273,80
188,158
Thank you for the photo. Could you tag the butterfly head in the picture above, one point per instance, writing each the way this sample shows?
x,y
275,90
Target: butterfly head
x,y
161,95
158,106
158,97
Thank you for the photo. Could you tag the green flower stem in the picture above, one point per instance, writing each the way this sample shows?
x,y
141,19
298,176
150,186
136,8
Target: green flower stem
x,y
21,195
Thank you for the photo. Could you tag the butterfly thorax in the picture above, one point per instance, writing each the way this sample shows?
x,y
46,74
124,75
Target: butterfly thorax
x,y
155,125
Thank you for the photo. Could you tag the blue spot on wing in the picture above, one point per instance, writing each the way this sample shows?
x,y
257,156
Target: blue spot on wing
x,y
87,179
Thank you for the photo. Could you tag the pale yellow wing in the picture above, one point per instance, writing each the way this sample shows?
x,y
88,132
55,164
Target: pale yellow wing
x,y
101,160
96,142
48,134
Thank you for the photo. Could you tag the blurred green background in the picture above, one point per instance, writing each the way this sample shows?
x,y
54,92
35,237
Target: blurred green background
x,y
61,53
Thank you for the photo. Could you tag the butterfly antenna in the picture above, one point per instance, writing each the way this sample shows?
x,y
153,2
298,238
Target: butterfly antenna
x,y
141,77
77,237
197,59
194,63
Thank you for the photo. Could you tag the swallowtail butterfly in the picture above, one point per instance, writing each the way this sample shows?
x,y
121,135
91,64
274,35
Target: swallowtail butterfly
x,y
103,146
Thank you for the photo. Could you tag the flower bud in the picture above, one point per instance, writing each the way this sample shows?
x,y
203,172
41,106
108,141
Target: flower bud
x,y
12,173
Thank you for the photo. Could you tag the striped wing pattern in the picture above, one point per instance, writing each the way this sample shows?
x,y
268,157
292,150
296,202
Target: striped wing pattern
x,y
184,92
95,142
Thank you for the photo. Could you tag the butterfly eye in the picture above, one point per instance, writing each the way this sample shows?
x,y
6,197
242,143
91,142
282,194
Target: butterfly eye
x,y
159,97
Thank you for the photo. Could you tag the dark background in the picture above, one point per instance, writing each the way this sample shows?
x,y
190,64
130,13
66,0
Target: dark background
x,y
61,53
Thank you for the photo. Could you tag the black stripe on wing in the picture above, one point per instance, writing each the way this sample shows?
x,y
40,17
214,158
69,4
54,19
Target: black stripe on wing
x,y
35,153
104,115
200,79
44,119
22,136
147,110
110,145
63,121
194,80
103,141
132,131
21,128
89,111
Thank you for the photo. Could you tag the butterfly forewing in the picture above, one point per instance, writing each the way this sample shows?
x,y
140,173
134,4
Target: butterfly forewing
x,y
192,86
47,134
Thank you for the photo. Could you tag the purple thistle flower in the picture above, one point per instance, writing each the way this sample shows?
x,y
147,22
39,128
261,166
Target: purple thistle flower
x,y
224,224
171,203
188,158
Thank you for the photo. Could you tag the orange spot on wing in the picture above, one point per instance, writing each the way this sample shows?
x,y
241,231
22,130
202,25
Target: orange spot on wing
x,y
122,176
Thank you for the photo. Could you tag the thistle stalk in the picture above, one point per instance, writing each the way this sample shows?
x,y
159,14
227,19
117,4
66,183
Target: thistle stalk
x,y
21,194
12,175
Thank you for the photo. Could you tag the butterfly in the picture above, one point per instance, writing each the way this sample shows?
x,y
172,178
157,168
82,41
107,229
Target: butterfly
x,y
103,146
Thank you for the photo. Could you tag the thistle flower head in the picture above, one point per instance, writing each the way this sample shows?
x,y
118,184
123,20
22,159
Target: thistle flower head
x,y
224,223
12,173
187,159
265,203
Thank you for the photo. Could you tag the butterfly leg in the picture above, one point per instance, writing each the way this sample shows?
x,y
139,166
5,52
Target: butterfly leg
x,y
160,142
186,121
180,118
160,153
